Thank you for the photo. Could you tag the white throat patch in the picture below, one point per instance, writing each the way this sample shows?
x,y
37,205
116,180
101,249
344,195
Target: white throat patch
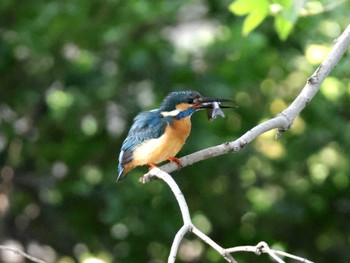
x,y
172,113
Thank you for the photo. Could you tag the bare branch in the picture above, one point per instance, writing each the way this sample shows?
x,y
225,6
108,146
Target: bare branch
x,y
281,122
177,240
262,247
188,226
330,7
19,252
214,245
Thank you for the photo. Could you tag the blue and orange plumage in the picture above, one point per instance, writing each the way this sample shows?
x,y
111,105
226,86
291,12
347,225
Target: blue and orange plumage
x,y
158,135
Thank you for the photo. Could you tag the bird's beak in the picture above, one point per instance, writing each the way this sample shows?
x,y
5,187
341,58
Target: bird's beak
x,y
214,106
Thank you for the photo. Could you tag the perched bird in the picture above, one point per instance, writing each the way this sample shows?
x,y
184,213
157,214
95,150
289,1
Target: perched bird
x,y
159,134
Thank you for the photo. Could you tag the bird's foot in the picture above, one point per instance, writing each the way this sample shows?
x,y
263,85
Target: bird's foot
x,y
151,166
176,160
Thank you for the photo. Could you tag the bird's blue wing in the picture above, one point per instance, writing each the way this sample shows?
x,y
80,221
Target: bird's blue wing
x,y
147,125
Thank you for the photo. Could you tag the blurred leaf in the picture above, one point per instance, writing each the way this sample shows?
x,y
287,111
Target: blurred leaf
x,y
244,7
286,13
283,27
256,10
253,20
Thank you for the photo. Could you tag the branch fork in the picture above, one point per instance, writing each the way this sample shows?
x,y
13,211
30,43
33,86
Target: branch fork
x,y
188,226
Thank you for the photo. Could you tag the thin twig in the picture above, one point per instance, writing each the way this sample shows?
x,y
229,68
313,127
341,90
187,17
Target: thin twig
x,y
177,193
262,247
176,242
324,9
183,208
213,244
188,226
19,252
285,254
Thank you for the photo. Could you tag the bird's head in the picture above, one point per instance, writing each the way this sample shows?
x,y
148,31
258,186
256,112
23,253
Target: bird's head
x,y
181,104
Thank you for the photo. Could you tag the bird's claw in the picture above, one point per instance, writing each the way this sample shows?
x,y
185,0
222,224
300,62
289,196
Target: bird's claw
x,y
176,160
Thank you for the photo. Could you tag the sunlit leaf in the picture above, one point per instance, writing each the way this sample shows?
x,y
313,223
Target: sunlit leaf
x,y
256,10
242,7
252,21
283,27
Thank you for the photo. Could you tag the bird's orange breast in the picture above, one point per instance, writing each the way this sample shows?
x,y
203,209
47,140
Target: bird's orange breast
x,y
164,147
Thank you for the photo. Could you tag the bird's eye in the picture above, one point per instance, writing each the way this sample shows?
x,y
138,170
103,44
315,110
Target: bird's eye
x,y
196,100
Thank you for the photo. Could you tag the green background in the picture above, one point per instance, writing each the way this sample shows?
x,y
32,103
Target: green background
x,y
73,74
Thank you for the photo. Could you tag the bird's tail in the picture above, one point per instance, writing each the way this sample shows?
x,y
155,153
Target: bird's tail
x,y
121,174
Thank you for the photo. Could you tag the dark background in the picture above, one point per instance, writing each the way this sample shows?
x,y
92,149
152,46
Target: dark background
x,y
73,74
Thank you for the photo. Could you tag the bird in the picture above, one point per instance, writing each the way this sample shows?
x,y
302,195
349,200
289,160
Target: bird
x,y
158,135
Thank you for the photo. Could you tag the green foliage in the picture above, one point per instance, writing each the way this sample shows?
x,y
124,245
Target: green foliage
x,y
73,74
255,10
285,13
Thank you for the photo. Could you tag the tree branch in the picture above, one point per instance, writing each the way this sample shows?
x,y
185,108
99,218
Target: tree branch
x,y
188,226
281,122
262,247
19,252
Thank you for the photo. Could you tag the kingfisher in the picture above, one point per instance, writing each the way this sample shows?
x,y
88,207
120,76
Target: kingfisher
x,y
158,135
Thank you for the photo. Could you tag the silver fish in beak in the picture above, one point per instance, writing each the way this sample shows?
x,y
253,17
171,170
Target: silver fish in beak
x,y
214,107
215,111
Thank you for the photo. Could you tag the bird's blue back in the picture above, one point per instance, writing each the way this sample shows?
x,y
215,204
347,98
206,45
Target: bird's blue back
x,y
147,125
